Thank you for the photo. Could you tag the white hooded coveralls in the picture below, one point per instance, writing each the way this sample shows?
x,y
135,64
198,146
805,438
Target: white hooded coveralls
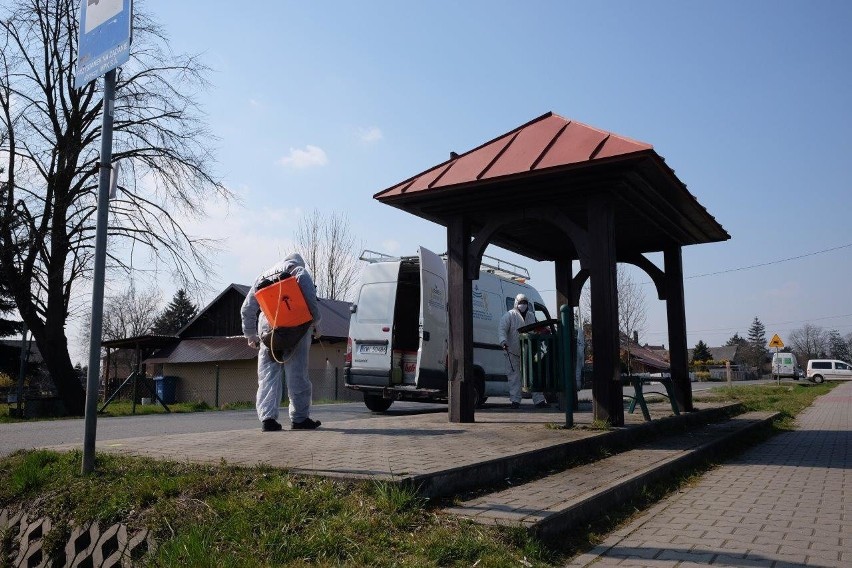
x,y
509,324
269,386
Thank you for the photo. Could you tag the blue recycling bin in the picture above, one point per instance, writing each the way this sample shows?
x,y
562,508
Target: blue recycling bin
x,y
165,387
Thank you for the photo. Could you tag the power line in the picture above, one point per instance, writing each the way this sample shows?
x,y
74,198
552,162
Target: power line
x,y
779,261
729,329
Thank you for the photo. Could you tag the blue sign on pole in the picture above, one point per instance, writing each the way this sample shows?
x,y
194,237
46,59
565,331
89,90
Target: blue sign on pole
x,y
104,38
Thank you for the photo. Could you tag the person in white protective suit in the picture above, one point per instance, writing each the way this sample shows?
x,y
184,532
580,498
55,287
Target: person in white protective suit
x,y
510,341
294,364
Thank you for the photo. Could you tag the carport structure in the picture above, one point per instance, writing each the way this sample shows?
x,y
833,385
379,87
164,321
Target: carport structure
x,y
559,190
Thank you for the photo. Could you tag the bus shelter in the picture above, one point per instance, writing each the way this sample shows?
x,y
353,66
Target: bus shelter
x,y
558,190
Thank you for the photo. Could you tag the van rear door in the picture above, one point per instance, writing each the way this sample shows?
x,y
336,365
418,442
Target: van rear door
x,y
371,324
432,349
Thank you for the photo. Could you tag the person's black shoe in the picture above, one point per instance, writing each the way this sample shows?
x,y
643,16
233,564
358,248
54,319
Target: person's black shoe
x,y
542,404
516,405
270,425
306,424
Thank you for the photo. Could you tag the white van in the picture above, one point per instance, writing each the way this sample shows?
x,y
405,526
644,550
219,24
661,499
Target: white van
x,y
398,332
820,370
784,365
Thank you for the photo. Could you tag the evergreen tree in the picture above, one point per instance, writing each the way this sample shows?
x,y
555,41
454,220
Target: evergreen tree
x,y
757,345
177,314
701,352
7,304
736,340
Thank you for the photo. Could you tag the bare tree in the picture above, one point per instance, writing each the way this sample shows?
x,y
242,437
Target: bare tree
x,y
331,253
848,339
632,309
49,139
130,313
809,342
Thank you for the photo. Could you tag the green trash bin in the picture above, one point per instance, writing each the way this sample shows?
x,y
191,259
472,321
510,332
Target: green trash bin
x,y
539,359
546,362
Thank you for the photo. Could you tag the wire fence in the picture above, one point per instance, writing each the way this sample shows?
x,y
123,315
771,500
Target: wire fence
x,y
217,386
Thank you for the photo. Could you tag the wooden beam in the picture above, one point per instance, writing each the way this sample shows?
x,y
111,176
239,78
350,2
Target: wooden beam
x,y
676,312
577,284
652,270
579,237
606,379
460,315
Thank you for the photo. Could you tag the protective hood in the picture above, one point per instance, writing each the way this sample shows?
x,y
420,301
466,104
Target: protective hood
x,y
293,260
520,298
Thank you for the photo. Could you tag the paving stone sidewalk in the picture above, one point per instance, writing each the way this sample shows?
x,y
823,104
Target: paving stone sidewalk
x,y
786,502
542,501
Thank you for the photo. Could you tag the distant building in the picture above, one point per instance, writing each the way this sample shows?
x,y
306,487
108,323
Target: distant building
x,y
729,353
213,363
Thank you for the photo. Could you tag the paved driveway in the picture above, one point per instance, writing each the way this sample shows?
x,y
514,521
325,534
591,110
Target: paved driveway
x,y
35,434
27,435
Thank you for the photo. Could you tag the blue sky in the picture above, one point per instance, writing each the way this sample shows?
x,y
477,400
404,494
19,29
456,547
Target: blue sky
x,y
322,104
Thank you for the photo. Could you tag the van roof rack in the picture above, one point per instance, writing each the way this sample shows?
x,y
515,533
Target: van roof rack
x,y
501,268
504,268
493,265
373,256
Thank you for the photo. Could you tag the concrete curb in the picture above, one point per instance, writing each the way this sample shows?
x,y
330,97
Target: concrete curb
x,y
492,472
590,505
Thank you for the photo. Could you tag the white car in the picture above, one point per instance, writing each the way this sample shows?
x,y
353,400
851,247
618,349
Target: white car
x,y
820,370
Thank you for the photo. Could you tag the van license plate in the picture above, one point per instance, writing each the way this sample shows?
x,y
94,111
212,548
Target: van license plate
x,y
373,349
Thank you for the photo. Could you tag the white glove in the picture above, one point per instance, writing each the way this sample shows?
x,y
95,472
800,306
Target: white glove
x,y
254,341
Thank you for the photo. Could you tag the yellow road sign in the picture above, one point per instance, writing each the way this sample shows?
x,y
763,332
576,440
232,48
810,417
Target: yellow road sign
x,y
776,341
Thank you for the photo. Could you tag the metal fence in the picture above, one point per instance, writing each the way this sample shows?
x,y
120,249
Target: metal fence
x,y
720,373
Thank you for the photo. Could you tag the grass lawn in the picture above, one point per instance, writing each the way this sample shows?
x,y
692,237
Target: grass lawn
x,y
788,399
223,515
235,516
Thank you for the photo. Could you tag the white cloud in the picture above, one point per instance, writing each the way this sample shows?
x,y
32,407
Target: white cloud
x,y
254,103
310,157
787,291
390,246
371,134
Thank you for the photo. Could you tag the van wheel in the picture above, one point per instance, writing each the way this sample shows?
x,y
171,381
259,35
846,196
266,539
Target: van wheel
x,y
377,403
818,379
479,387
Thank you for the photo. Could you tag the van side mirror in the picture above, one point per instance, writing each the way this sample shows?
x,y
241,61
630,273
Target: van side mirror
x,y
353,308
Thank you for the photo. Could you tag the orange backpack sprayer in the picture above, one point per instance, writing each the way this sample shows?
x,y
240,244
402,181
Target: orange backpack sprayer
x,y
283,303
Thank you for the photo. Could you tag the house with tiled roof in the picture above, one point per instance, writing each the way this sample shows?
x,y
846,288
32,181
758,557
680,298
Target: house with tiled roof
x,y
213,363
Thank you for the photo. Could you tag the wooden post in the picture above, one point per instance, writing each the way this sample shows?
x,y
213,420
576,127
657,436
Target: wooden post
x,y
676,312
606,379
460,315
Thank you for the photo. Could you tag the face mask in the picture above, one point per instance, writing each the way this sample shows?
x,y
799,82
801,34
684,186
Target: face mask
x,y
522,308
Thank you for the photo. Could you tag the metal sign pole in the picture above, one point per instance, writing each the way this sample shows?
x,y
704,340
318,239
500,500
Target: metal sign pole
x,y
99,276
25,355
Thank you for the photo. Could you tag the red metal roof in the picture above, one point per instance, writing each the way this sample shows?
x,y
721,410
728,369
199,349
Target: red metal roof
x,y
557,164
548,141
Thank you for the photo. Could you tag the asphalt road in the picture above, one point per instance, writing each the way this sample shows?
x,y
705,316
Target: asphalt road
x,y
27,435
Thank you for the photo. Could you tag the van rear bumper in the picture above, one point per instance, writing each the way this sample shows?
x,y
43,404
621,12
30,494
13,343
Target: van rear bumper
x,y
366,377
378,383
